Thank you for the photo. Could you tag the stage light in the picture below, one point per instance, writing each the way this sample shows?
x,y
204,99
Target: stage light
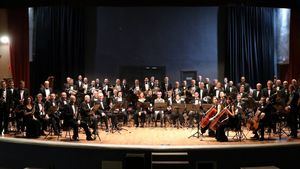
x,y
4,39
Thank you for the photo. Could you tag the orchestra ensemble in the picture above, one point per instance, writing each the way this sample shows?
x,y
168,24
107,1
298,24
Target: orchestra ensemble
x,y
214,106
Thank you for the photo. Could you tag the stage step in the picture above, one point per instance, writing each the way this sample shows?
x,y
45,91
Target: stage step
x,y
173,160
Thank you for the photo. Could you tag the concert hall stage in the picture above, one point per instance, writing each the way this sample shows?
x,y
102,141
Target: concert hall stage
x,y
142,145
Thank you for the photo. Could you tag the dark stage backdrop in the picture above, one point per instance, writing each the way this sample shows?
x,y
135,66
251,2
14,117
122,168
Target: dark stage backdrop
x,y
179,38
59,44
250,44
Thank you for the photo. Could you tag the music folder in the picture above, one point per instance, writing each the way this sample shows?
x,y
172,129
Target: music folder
x,y
160,106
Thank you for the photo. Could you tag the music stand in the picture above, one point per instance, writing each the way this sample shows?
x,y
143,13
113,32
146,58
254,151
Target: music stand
x,y
118,105
160,107
195,108
178,108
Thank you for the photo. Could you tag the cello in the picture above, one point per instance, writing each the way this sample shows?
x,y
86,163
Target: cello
x,y
220,119
211,112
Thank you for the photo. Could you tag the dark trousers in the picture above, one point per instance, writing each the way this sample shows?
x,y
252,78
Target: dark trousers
x,y
220,133
4,115
73,124
85,126
292,121
177,116
142,117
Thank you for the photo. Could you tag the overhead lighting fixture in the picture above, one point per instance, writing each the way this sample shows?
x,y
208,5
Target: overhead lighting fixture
x,y
4,39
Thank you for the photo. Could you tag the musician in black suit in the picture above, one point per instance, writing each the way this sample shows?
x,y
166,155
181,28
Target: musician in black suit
x,y
192,114
103,110
292,108
146,85
257,93
202,90
71,88
40,113
119,112
4,110
22,92
87,116
177,115
231,90
165,86
208,85
46,90
54,118
243,83
12,102
265,109
217,90
71,117
98,84
125,88
242,92
269,90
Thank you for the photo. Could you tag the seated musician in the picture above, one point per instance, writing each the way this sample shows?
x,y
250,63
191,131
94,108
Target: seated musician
x,y
265,109
178,115
72,119
217,106
196,101
87,115
229,122
40,113
119,111
159,113
141,111
31,122
103,110
169,98
53,117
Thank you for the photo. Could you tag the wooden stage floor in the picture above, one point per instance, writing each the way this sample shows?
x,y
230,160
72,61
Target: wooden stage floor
x,y
157,136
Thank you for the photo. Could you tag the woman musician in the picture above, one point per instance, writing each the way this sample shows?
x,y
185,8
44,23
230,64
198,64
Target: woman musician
x,y
228,121
31,122
141,110
215,106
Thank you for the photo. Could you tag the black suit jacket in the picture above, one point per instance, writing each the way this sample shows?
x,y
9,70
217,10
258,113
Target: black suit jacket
x,y
204,93
43,92
265,92
26,94
255,96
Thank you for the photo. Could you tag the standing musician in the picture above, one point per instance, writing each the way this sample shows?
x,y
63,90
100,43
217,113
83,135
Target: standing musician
x,y
159,99
4,110
231,90
257,93
178,115
176,89
87,116
269,90
292,108
202,91
169,99
140,111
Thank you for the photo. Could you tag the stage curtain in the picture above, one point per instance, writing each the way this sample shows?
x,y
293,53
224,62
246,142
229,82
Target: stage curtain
x,y
17,19
59,44
250,44
292,70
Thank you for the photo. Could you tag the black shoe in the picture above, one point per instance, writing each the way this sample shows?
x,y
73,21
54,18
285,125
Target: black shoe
x,y
75,138
89,138
261,139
